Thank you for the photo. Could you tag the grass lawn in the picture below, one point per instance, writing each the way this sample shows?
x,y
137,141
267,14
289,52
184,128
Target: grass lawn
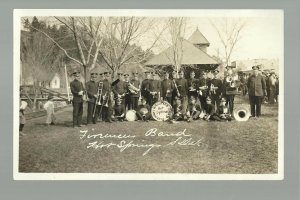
x,y
218,147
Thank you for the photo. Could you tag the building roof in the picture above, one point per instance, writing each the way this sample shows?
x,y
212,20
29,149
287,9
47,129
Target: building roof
x,y
190,55
198,38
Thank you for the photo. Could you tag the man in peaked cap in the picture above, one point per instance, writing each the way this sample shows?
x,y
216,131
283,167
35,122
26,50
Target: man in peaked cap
x,y
182,86
77,90
215,88
154,89
257,89
167,88
127,98
119,88
135,91
192,84
145,91
202,87
92,89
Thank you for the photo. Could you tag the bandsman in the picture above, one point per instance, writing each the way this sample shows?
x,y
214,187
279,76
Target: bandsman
x,y
106,102
92,90
215,88
182,86
167,88
145,87
202,87
77,90
154,89
119,88
127,98
227,89
192,84
135,90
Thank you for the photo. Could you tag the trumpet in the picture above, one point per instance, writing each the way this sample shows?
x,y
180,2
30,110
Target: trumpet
x,y
132,88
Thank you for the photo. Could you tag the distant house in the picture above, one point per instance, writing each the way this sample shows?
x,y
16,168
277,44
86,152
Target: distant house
x,y
55,81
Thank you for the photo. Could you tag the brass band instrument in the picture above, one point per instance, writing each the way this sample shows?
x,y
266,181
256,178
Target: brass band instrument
x,y
99,96
241,113
132,88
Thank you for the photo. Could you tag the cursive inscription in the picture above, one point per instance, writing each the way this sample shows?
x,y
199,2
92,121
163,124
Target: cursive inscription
x,y
153,132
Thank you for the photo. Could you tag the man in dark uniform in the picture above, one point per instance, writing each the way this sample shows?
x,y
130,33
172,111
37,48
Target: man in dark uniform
x,y
192,84
92,89
182,86
203,88
119,88
257,89
215,89
127,98
228,89
135,90
77,91
145,87
174,93
106,108
167,87
154,88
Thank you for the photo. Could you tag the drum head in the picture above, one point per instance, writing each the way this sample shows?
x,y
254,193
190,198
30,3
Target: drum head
x,y
131,115
161,111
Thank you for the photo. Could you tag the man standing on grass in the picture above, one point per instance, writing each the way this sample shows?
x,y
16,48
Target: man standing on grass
x,y
257,89
92,89
77,91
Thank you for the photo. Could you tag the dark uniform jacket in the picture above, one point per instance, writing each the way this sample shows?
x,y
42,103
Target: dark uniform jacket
x,y
91,89
120,88
217,83
76,86
106,88
192,82
167,84
154,86
182,86
209,109
135,83
145,87
203,82
256,85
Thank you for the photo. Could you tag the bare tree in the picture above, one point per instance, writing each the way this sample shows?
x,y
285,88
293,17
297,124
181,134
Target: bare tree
x,y
122,36
88,38
229,32
172,40
39,59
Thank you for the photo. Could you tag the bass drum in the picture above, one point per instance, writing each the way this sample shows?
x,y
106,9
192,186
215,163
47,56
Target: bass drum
x,y
161,111
241,113
131,115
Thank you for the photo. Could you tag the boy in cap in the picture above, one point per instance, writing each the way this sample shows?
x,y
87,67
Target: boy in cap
x,y
49,107
210,111
223,111
227,89
194,109
77,91
257,89
143,111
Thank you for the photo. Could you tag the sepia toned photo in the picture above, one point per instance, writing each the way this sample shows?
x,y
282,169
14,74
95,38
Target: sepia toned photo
x,y
148,94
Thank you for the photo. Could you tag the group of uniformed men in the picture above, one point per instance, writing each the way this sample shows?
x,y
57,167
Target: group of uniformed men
x,y
188,97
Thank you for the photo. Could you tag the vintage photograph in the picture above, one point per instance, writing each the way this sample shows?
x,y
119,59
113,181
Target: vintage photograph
x,y
148,94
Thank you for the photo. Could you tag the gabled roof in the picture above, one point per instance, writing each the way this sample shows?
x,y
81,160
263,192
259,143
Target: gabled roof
x,y
190,55
198,38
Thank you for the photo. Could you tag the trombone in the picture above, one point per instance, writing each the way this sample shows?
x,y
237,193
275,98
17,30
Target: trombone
x,y
99,96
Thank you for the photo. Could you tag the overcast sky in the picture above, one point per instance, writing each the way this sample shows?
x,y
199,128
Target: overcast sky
x,y
261,38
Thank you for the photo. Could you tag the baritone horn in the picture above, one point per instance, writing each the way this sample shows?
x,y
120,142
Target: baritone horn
x,y
241,114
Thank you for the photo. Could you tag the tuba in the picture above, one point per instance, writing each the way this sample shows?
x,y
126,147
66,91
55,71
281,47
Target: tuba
x,y
241,114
